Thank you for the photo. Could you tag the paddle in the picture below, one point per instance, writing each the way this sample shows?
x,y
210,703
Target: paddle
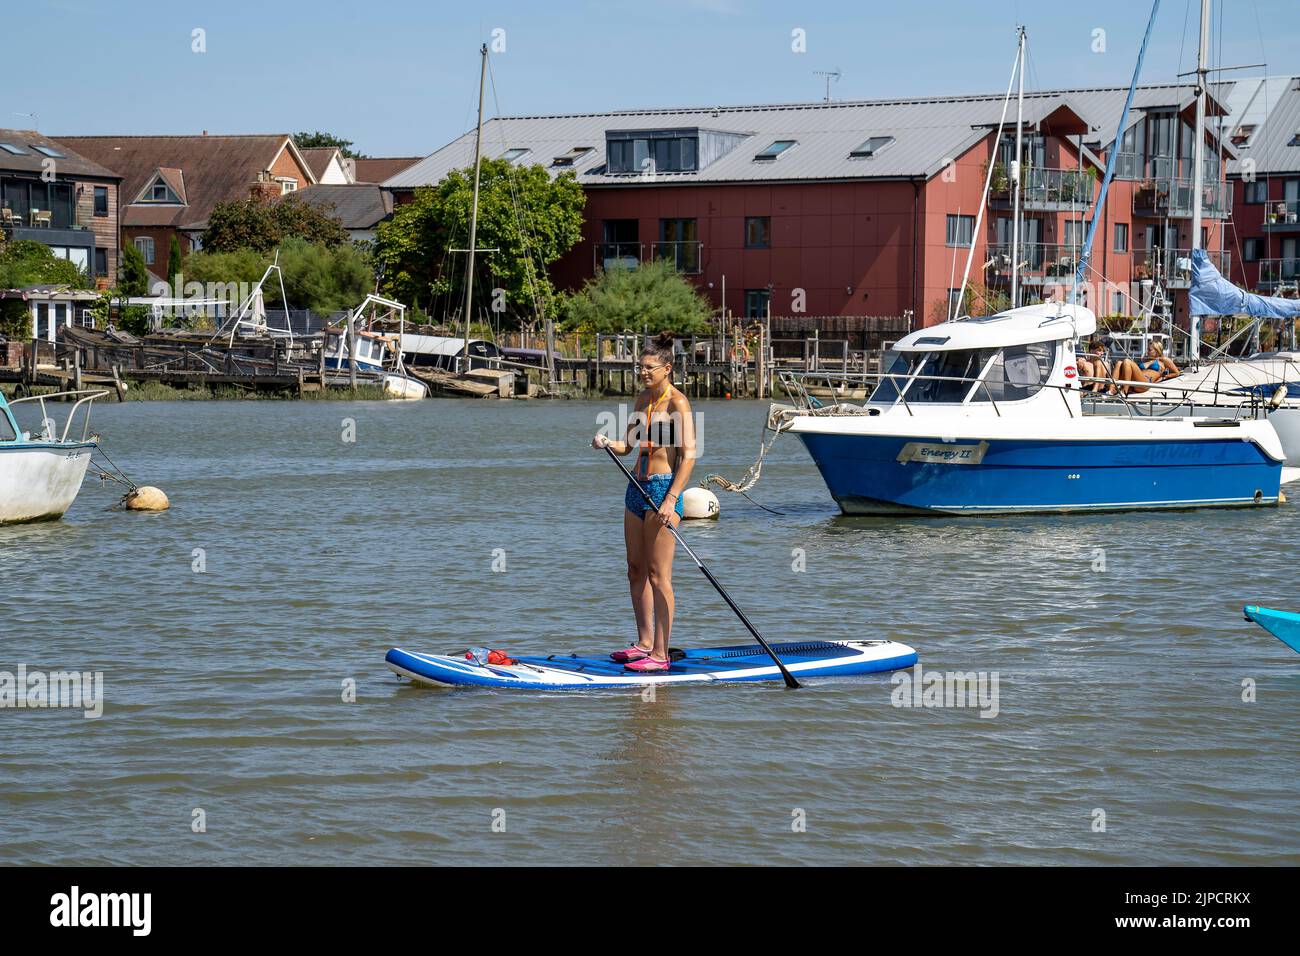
x,y
785,674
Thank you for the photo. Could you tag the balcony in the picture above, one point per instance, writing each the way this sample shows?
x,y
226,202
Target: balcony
x,y
1282,217
617,254
684,256
1041,263
1059,190
1276,272
1173,266
1173,198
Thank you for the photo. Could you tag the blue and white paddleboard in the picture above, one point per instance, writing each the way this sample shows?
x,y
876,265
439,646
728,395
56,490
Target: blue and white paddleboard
x,y
703,665
1283,625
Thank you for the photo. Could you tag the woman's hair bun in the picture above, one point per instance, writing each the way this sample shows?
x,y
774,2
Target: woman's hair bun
x,y
661,347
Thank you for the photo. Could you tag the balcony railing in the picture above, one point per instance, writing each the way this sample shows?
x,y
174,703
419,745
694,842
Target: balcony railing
x,y
1041,263
684,256
1173,266
1275,271
1282,216
615,254
1174,198
1043,188
1135,166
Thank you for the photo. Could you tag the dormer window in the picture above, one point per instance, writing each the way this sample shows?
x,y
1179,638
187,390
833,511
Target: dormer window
x,y
776,149
572,156
646,151
1295,140
158,191
872,146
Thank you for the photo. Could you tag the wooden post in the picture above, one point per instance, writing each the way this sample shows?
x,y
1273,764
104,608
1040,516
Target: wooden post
x,y
321,368
550,350
352,352
76,367
117,384
598,362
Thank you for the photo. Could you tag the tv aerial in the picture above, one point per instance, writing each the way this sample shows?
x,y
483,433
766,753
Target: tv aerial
x,y
831,76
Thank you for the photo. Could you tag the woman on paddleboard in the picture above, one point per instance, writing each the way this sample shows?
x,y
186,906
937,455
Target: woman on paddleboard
x,y
662,432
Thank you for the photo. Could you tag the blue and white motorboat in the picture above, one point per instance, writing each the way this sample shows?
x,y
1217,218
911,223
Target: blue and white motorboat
x,y
41,473
983,416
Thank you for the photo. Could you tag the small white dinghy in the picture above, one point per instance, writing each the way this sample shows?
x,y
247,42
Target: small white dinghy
x,y
40,474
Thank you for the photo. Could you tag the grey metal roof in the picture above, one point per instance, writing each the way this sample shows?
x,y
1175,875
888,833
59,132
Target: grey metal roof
x,y
1276,111
928,132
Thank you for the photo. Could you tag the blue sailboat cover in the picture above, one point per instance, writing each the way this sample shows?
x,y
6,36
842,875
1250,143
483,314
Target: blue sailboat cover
x,y
1212,294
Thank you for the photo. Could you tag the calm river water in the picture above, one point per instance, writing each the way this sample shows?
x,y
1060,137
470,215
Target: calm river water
x,y
1120,690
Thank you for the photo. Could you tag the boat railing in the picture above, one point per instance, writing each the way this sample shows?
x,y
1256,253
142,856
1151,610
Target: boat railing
x,y
1187,393
49,426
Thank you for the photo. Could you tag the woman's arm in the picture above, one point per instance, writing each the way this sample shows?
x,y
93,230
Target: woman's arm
x,y
626,445
1170,369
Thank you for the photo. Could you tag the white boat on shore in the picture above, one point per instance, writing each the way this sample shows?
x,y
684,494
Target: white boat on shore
x,y
41,473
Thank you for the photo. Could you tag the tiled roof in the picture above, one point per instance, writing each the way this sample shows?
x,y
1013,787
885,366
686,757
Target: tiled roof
x,y
356,205
216,169
377,169
73,163
318,158
927,133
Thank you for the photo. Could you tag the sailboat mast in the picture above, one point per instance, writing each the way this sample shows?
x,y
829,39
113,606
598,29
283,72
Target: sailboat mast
x,y
473,215
1015,177
1198,158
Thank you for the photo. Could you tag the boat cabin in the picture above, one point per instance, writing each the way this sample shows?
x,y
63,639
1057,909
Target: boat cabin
x,y
988,362
372,350
440,351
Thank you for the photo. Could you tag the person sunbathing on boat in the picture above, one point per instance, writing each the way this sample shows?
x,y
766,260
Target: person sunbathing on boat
x,y
663,431
1154,368
1093,365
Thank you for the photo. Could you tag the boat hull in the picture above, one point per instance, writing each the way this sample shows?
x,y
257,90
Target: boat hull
x,y
905,474
1285,420
1284,625
39,482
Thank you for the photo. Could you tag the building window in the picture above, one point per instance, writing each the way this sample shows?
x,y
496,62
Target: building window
x,y
1121,237
961,229
872,146
678,245
1251,249
758,231
160,192
511,155
1117,302
145,245
101,262
756,303
101,200
288,186
669,151
954,302
775,149
1257,192
1074,233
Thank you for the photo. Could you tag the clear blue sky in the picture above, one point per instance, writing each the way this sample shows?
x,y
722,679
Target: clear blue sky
x,y
399,77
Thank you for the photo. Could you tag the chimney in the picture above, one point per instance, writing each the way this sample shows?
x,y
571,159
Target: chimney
x,y
264,188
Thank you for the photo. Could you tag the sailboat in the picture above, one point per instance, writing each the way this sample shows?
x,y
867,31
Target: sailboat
x,y
364,343
1264,385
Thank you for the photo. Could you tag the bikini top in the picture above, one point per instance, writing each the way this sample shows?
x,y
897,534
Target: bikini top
x,y
1152,366
660,433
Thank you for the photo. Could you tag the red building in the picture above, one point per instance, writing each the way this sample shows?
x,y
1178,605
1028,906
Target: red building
x,y
868,208
1265,131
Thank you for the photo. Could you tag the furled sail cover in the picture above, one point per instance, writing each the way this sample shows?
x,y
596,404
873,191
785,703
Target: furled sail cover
x,y
1212,294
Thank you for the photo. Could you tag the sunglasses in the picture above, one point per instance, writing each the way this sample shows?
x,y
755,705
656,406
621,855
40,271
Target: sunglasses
x,y
650,368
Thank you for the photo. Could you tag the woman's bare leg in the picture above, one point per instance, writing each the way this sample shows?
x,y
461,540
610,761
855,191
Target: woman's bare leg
x,y
660,546
638,578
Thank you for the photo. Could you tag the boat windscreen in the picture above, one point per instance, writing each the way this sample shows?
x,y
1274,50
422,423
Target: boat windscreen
x,y
898,365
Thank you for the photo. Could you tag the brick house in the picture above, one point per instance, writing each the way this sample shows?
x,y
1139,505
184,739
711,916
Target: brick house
x,y
171,183
867,208
1265,129
53,194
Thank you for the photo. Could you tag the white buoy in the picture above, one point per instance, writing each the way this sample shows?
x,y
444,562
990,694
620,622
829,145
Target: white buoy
x,y
700,503
146,498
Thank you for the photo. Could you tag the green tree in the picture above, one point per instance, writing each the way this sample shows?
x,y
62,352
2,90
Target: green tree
x,y
317,139
654,294
261,225
132,273
317,277
173,263
530,219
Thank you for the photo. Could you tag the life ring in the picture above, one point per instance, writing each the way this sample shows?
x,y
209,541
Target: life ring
x,y
741,352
